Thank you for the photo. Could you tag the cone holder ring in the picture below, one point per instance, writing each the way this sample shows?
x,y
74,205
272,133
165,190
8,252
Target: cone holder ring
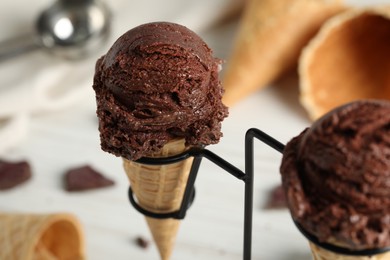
x,y
248,178
337,249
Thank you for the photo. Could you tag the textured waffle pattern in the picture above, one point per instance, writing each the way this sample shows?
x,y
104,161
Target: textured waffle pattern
x,y
322,254
18,236
160,189
28,236
331,50
259,45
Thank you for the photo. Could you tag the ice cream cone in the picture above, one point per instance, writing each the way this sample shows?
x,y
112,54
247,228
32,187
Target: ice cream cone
x,y
323,254
40,237
160,189
347,60
270,38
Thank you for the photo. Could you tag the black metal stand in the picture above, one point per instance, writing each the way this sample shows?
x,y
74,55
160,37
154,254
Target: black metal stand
x,y
338,249
247,177
189,193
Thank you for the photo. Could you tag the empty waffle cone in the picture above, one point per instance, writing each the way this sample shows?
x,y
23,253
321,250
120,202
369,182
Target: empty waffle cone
x,y
160,189
40,237
323,254
269,40
347,60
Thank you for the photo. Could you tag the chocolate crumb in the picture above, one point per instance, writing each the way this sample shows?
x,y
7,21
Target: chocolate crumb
x,y
276,199
13,173
85,178
142,242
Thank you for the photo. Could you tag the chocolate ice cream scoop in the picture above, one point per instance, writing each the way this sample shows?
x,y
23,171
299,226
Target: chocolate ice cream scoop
x,y
336,176
158,82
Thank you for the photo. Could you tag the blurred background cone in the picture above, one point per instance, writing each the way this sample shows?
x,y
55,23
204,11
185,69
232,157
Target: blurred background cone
x,y
40,237
160,189
323,254
270,37
347,60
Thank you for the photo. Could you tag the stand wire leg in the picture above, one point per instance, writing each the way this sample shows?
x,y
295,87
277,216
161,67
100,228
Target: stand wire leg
x,y
189,191
248,209
249,179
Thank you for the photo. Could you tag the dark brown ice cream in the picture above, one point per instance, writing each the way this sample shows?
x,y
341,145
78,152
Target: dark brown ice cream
x,y
158,82
336,176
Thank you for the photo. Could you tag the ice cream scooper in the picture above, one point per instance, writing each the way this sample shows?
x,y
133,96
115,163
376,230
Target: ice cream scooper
x,y
69,28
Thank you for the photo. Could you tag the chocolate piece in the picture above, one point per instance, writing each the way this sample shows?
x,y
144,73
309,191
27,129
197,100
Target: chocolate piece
x,y
85,178
142,242
158,82
336,176
13,173
276,199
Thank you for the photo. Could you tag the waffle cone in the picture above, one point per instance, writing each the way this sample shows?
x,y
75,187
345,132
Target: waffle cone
x,y
323,254
269,40
160,189
346,61
40,237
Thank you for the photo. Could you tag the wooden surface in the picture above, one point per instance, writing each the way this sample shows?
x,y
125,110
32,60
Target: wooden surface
x,y
213,228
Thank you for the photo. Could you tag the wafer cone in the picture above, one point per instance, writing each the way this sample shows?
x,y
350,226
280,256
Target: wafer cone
x,y
347,60
323,254
40,237
269,40
160,189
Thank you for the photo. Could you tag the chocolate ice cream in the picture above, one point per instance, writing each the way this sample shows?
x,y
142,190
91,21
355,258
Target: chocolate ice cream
x,y
336,176
158,82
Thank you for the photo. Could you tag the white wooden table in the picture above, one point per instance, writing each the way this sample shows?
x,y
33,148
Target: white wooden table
x,y
213,227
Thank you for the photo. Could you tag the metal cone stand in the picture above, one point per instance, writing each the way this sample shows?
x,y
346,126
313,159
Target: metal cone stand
x,y
247,177
189,194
